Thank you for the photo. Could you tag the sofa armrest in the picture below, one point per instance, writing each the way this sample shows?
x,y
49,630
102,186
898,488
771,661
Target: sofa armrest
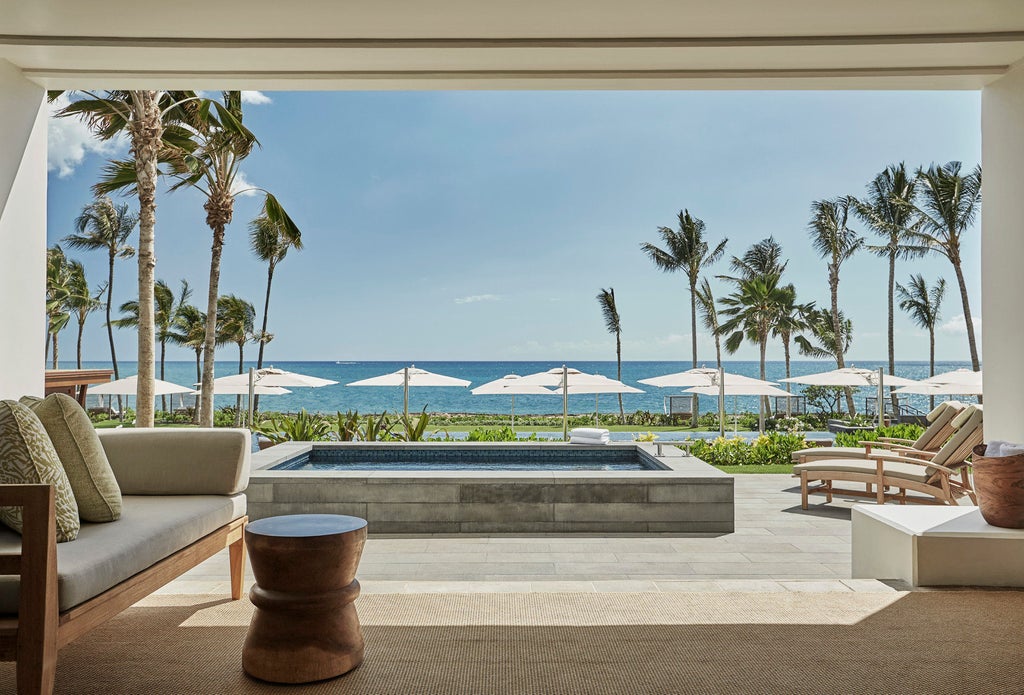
x,y
179,461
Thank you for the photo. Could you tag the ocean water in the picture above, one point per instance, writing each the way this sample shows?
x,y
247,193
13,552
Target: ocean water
x,y
330,399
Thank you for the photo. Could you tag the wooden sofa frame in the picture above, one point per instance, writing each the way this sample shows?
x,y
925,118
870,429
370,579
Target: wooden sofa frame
x,y
33,638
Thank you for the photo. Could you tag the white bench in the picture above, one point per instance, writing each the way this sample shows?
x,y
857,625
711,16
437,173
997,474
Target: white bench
x,y
935,546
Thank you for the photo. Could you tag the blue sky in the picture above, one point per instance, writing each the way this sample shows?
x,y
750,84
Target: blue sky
x,y
480,225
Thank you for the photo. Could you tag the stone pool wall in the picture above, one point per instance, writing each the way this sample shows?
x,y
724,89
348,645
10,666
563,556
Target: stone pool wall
x,y
688,496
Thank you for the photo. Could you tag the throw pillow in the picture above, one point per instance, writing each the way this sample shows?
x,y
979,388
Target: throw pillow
x,y
81,453
27,457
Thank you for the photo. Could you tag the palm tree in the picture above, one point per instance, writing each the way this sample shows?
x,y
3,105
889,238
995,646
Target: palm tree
x,y
236,319
58,291
752,311
165,312
209,161
819,341
888,211
270,243
924,305
946,209
761,259
791,320
142,114
189,330
688,251
606,300
81,302
105,226
709,317
835,242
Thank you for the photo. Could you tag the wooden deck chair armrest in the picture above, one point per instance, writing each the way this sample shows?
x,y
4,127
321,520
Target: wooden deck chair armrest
x,y
893,445
894,458
895,440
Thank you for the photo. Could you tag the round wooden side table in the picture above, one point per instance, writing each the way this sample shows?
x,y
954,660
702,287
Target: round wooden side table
x,y
305,627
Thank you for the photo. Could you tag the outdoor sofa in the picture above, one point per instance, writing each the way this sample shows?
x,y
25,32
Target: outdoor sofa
x,y
182,502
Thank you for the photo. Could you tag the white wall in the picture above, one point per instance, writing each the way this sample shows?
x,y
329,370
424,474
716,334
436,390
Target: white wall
x,y
23,117
1002,255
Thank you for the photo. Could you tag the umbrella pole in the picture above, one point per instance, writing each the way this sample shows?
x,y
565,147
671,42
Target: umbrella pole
x,y
565,403
721,402
881,396
252,389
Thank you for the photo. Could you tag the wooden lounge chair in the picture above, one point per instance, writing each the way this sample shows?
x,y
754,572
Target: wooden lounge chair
x,y
932,474
940,429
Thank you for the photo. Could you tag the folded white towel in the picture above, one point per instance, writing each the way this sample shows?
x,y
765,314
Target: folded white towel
x,y
592,432
999,449
593,441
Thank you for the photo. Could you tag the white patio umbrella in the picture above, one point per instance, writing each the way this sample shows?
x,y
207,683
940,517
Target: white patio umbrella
x,y
268,377
608,385
511,385
563,378
963,377
924,388
706,376
410,376
129,386
740,389
855,377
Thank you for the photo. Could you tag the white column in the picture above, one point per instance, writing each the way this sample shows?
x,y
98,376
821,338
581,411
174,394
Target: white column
x,y
1002,255
23,117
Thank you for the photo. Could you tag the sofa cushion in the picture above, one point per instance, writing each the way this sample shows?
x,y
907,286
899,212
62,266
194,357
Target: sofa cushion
x,y
150,529
893,469
27,457
80,452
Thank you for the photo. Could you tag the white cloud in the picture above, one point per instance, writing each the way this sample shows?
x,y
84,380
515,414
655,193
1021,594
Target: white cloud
x,y
255,97
958,325
70,140
477,298
241,186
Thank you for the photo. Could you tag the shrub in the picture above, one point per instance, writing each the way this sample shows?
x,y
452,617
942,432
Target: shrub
x,y
505,434
303,427
902,431
768,449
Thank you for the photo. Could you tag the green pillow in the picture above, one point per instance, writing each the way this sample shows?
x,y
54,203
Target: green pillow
x,y
81,453
27,457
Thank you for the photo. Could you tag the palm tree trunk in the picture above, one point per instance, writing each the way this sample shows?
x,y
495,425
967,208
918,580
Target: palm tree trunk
x,y
163,353
931,362
54,338
238,399
892,339
693,343
110,328
46,342
718,350
263,332
764,399
147,133
833,283
210,343
199,379
618,373
789,386
975,364
78,346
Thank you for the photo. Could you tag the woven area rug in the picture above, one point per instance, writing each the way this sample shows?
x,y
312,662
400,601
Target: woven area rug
x,y
935,642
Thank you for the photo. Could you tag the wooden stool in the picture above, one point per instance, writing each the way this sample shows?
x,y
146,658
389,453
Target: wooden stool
x,y
305,627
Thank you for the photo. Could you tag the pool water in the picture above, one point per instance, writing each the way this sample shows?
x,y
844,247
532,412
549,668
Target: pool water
x,y
469,459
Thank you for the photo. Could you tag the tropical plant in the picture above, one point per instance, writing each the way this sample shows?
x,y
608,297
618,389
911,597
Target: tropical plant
x,y
824,399
924,304
351,427
688,251
269,241
887,210
606,300
165,315
770,449
791,320
236,319
413,428
105,226
835,242
208,160
189,330
140,113
762,258
58,291
946,208
503,434
81,302
709,317
302,427
904,430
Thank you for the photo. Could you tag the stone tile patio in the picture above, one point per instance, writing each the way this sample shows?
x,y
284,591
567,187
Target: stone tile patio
x,y
776,547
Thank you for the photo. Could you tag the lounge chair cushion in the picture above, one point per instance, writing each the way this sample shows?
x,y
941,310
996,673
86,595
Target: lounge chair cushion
x,y
78,446
831,452
104,555
27,457
893,469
